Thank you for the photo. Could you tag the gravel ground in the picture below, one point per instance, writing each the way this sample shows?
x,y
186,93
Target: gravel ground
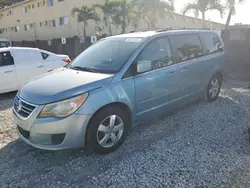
x,y
201,145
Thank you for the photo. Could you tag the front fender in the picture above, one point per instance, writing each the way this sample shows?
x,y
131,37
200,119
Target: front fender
x,y
122,91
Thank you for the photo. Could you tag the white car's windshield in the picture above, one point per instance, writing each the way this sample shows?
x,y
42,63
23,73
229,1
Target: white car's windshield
x,y
107,56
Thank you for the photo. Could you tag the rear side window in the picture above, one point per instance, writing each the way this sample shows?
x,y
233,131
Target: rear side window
x,y
44,55
158,52
212,43
6,59
186,47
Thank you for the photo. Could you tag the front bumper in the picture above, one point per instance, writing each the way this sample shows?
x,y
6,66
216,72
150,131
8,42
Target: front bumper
x,y
43,133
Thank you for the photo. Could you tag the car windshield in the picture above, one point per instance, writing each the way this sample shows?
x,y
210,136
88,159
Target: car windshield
x,y
106,56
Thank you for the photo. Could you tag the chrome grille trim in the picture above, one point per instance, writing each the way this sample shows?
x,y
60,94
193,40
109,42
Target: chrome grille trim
x,y
22,108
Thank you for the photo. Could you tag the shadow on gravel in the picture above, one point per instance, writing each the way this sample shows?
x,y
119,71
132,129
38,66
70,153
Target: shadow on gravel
x,y
6,100
23,163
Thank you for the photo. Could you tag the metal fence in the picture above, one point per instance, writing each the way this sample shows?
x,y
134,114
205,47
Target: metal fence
x,y
237,50
73,46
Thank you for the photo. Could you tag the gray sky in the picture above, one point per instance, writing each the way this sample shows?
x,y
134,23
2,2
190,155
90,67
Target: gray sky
x,y
242,12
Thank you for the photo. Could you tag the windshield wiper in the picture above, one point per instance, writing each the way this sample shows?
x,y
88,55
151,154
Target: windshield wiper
x,y
83,69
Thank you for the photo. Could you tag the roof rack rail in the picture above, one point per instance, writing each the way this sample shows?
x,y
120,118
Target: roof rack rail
x,y
167,29
139,30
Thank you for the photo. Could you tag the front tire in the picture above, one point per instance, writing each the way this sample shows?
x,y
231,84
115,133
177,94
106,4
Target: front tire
x,y
107,130
213,88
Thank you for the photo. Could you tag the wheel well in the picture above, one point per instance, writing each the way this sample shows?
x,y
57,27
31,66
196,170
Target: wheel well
x,y
219,74
123,107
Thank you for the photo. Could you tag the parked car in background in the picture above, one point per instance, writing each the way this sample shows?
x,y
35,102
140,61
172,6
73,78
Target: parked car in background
x,y
116,83
18,65
4,43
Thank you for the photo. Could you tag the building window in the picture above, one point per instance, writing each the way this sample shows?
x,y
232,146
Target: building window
x,y
25,9
63,20
45,23
17,28
26,27
50,3
52,23
14,12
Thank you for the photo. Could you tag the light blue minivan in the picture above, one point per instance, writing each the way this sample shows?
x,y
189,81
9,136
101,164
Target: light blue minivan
x,y
116,83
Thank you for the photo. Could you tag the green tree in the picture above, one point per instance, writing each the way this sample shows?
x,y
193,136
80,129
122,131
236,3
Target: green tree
x,y
109,10
203,6
230,4
84,14
123,16
9,2
151,10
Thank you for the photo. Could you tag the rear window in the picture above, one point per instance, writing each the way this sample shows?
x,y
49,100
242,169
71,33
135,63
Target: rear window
x,y
44,55
212,43
6,59
186,47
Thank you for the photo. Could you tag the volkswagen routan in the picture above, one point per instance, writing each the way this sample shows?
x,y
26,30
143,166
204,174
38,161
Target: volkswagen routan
x,y
116,83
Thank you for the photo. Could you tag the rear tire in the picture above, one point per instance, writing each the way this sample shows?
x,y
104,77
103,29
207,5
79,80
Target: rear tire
x,y
107,130
213,88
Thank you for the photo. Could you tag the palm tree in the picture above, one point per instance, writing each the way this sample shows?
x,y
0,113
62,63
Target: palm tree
x,y
123,16
109,9
152,9
84,14
230,4
203,6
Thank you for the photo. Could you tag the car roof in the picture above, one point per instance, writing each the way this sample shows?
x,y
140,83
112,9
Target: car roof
x,y
159,32
16,48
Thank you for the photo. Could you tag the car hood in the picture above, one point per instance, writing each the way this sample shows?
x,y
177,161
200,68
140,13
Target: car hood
x,y
61,84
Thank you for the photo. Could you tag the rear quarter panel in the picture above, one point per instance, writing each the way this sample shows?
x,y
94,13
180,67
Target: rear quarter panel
x,y
212,64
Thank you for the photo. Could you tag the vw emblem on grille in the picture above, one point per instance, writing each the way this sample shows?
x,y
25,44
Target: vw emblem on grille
x,y
19,106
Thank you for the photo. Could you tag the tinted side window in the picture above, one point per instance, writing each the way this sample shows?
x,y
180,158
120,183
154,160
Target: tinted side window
x,y
6,59
44,55
212,43
158,52
186,47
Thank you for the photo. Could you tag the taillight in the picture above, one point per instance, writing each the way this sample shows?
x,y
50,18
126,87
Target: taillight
x,y
67,60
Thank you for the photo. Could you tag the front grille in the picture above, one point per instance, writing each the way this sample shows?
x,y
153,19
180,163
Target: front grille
x,y
23,108
23,132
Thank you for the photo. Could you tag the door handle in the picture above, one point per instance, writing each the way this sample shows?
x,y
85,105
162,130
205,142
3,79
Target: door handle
x,y
172,73
40,66
8,72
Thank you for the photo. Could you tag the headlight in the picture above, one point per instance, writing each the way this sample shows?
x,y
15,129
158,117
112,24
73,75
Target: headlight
x,y
63,108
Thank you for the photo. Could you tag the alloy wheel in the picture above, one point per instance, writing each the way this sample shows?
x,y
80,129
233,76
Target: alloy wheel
x,y
214,88
110,131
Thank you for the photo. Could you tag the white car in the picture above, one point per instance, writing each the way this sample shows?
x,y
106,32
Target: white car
x,y
19,65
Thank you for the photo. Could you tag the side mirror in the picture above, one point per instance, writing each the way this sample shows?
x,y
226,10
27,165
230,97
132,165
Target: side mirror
x,y
144,66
